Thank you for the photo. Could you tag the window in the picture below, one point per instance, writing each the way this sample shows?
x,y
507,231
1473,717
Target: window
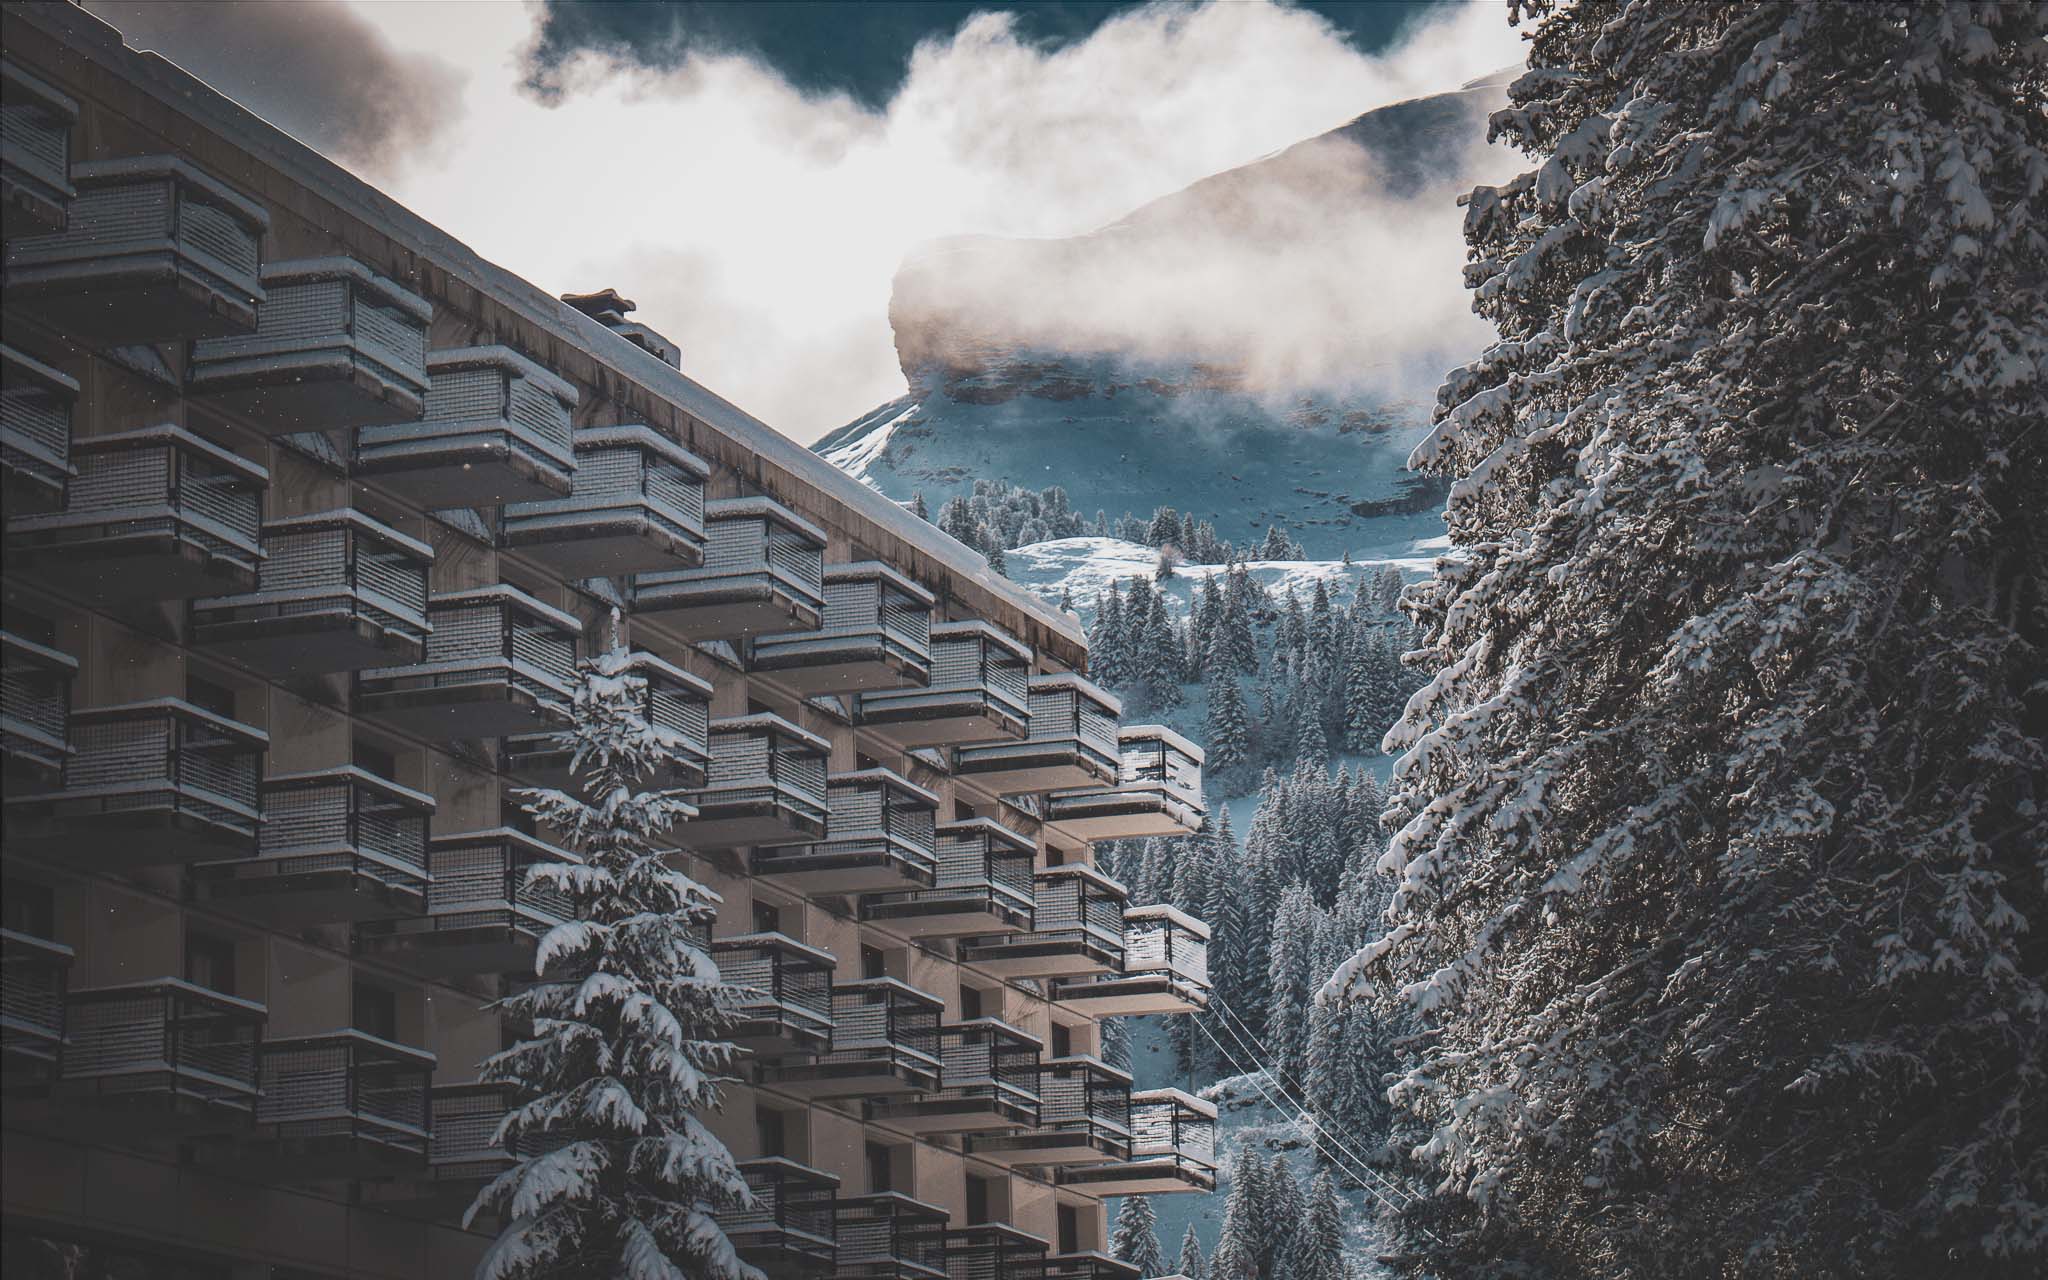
x,y
880,1172
210,962
970,1003
977,1199
32,627
371,758
376,1011
767,917
1062,1041
874,963
1070,1229
962,811
770,1133
511,815
209,695
30,908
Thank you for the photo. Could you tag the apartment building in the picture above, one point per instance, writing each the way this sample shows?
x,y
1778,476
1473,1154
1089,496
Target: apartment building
x,y
309,514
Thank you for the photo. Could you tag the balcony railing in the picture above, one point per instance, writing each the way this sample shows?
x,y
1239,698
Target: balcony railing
x,y
787,1006
1165,969
148,783
1158,791
983,886
876,635
993,1251
885,1039
151,515
33,975
1084,1117
483,915
988,1072
163,1057
337,591
343,1105
766,786
496,430
35,712
1173,1148
338,845
1072,742
791,1230
464,1124
979,690
153,250
883,836
336,346
1087,1265
1078,928
889,1236
498,663
763,573
636,505
35,153
35,430
672,701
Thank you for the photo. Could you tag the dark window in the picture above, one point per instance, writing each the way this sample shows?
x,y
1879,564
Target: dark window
x,y
376,1011
30,908
1055,856
1062,1041
767,918
511,815
371,758
862,760
1070,1229
209,695
32,627
874,963
970,1003
977,1199
210,962
962,811
880,1174
769,1132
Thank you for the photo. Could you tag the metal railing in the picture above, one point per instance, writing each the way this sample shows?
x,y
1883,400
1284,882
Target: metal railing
x,y
671,701
987,1061
1167,1124
33,975
763,759
1162,940
488,636
889,1236
787,986
793,1211
35,704
753,548
35,421
874,816
164,754
976,669
626,476
887,1022
346,1084
166,1037
871,613
346,819
1088,1099
336,563
982,865
993,1251
481,404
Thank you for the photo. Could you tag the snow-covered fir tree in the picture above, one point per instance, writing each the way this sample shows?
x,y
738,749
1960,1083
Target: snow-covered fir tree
x,y
1191,1262
1240,1242
1135,1238
1228,729
1319,1241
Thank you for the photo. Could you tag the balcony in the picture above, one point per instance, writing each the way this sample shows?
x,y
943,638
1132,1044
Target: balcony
x,y
983,886
498,663
978,690
889,1236
1158,791
885,1040
988,1073
1173,1148
1072,742
337,591
1165,969
496,430
336,346
345,1105
876,635
882,837
763,573
153,250
338,845
35,431
159,1059
151,515
149,783
1087,1265
992,1251
792,1228
35,712
671,700
35,154
786,1008
483,916
1078,928
766,786
636,505
1084,1117
33,975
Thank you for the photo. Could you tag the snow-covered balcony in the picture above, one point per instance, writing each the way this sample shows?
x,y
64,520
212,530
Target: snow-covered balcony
x,y
988,1081
336,346
35,153
1077,928
148,783
983,886
889,1236
497,663
1173,1148
341,1106
787,1006
35,712
992,1251
33,975
336,591
1087,1265
1084,1117
636,505
1157,792
766,786
155,514
159,1059
882,836
876,635
338,845
35,431
496,430
791,1230
1165,969
1072,741
482,917
669,699
763,574
979,690
885,1040
153,250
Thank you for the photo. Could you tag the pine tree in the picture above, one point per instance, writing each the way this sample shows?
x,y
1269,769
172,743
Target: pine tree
x,y
628,1013
1135,1238
1239,1252
1311,747
1191,1264
1116,1043
1281,1218
1162,655
957,520
1276,546
1227,728
1287,975
917,507
1319,1241
1106,648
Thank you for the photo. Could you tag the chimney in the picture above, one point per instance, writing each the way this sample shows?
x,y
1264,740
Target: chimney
x,y
609,310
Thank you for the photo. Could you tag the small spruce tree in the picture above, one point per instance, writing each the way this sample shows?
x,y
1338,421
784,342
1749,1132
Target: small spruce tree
x,y
1135,1238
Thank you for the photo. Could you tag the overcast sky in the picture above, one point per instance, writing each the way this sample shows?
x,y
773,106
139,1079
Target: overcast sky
x,y
752,175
